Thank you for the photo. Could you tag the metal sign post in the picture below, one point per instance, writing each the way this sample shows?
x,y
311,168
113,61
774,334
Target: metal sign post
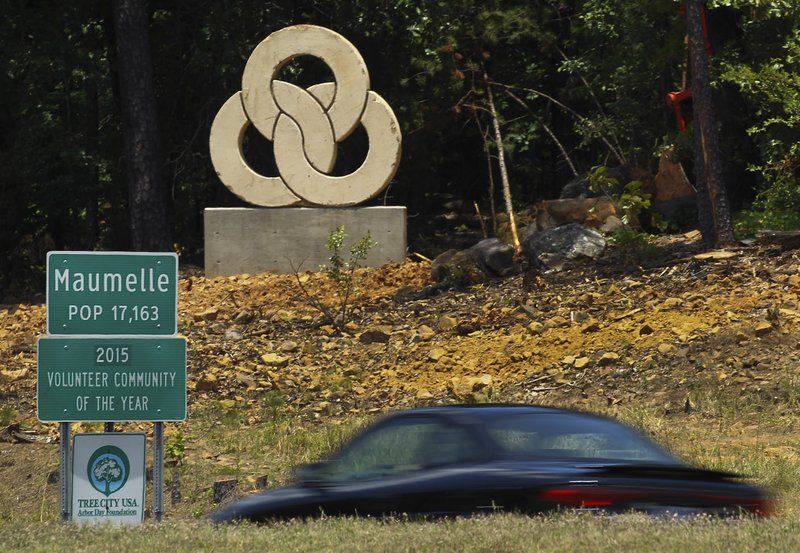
x,y
158,470
63,469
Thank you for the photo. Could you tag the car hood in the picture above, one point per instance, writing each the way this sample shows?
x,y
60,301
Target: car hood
x,y
265,503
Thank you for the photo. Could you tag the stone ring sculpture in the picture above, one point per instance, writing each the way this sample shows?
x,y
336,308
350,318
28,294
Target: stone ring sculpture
x,y
305,125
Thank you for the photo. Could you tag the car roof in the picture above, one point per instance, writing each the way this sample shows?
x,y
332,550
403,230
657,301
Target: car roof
x,y
487,409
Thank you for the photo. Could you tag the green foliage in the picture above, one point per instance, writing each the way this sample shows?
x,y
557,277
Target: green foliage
x,y
632,200
225,411
679,221
590,73
634,247
8,415
272,403
339,269
341,272
175,448
748,222
771,88
455,276
773,8
629,201
620,53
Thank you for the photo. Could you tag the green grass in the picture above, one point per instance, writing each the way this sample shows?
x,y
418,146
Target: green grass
x,y
567,532
7,415
755,436
741,433
220,444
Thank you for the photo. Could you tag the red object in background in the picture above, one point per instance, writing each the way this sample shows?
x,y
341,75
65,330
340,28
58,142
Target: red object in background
x,y
675,101
680,100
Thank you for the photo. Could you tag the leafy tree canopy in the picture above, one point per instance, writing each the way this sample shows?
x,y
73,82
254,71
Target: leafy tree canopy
x,y
578,83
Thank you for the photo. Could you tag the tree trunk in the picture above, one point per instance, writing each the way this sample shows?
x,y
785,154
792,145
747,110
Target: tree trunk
x,y
91,232
148,200
713,209
501,161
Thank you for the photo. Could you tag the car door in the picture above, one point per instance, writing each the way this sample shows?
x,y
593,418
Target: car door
x,y
415,464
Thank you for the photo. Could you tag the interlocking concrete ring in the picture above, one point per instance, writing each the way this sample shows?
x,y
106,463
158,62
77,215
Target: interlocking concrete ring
x,y
305,125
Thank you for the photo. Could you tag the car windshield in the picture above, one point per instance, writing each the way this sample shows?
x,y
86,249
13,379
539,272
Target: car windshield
x,y
572,436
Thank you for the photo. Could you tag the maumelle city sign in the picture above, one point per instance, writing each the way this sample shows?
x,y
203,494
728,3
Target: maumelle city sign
x,y
113,293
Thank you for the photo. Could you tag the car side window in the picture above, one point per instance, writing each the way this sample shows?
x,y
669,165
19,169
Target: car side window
x,y
518,440
571,436
403,446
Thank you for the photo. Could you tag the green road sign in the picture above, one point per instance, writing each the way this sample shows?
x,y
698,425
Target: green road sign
x,y
120,378
112,293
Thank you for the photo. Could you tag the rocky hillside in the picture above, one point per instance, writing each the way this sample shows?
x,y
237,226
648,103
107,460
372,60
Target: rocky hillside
x,y
591,335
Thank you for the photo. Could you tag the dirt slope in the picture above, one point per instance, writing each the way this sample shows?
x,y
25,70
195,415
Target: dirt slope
x,y
591,335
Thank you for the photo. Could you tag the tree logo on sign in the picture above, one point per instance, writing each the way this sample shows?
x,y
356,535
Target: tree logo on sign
x,y
108,469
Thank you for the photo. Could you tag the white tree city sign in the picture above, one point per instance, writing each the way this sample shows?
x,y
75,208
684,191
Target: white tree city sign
x,y
108,478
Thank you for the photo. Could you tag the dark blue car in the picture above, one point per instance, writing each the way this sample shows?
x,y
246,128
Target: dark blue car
x,y
463,460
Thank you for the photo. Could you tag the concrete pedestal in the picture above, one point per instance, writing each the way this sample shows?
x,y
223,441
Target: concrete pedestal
x,y
282,240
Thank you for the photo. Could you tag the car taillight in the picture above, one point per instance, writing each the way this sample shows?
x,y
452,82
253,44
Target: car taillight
x,y
599,497
587,497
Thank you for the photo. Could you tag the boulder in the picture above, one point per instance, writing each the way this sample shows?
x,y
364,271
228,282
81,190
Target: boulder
x,y
471,389
592,212
611,224
373,336
486,259
495,257
456,267
570,241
